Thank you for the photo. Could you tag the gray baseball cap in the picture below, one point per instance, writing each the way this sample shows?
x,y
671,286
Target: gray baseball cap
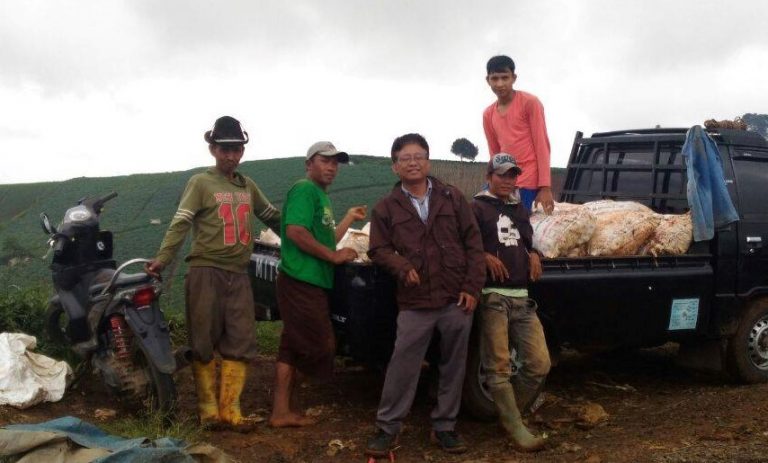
x,y
326,148
502,163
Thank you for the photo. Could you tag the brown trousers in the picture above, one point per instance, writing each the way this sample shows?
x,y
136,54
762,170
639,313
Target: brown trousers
x,y
220,314
307,341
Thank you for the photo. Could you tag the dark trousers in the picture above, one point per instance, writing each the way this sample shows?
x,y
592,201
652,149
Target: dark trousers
x,y
220,314
307,341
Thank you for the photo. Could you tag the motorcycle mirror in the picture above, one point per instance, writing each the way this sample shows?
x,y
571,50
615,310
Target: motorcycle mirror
x,y
46,223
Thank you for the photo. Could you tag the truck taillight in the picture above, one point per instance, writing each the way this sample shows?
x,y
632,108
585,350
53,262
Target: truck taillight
x,y
143,297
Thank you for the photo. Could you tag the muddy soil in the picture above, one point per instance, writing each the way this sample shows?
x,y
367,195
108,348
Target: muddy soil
x,y
655,411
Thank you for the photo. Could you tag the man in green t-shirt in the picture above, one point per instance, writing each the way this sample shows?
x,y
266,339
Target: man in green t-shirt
x,y
307,258
217,205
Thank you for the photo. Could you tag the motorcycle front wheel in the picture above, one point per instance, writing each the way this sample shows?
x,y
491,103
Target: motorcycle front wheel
x,y
55,324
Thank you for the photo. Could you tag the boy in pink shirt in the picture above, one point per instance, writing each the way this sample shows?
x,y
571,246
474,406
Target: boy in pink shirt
x,y
514,124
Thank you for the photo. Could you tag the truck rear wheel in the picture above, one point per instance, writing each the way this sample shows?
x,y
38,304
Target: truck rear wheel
x,y
748,349
476,398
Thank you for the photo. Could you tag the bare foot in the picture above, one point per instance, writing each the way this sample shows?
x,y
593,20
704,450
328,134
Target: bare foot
x,y
291,420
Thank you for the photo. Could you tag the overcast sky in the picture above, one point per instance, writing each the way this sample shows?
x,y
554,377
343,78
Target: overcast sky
x,y
99,87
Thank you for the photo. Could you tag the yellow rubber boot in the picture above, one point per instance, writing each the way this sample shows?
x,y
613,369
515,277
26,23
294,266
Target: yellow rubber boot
x,y
205,385
233,375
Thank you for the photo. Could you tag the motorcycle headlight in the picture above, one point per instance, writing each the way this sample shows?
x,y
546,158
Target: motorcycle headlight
x,y
78,214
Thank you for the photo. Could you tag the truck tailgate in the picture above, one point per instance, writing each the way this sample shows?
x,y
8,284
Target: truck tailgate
x,y
636,301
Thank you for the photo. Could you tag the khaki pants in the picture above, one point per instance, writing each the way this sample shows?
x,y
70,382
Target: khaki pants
x,y
511,321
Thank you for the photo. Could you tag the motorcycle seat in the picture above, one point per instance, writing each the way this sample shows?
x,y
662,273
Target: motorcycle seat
x,y
125,279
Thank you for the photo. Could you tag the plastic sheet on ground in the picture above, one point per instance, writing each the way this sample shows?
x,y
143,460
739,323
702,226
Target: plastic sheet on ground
x,y
71,440
27,378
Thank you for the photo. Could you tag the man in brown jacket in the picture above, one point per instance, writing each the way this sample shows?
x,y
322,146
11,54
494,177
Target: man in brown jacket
x,y
425,234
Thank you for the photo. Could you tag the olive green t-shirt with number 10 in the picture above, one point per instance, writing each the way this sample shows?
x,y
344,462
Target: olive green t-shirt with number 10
x,y
308,206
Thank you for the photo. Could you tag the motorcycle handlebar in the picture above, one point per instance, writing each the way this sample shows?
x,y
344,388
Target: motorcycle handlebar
x,y
99,203
108,197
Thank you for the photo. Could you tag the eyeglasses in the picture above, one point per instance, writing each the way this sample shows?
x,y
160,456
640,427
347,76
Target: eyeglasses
x,y
416,157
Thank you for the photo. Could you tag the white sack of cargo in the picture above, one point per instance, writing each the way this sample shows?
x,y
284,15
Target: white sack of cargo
x,y
269,237
579,251
27,378
623,227
359,241
609,206
672,236
568,227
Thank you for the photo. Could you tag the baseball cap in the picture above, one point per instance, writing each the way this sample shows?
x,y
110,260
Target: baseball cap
x,y
502,163
326,148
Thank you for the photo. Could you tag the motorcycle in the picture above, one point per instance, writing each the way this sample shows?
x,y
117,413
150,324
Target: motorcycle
x,y
110,318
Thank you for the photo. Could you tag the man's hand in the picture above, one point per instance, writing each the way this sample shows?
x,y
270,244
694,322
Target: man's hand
x,y
534,262
356,213
496,268
544,197
343,255
154,268
467,301
411,278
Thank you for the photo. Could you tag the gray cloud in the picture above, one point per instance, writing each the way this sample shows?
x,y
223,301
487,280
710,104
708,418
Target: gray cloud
x,y
374,67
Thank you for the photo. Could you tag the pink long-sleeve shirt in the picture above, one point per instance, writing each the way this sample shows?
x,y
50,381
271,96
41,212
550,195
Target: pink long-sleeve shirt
x,y
521,132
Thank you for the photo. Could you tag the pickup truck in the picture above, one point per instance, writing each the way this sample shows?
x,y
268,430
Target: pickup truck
x,y
713,300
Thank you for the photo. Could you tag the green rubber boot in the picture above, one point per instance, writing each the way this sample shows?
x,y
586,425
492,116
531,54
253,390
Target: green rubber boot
x,y
512,422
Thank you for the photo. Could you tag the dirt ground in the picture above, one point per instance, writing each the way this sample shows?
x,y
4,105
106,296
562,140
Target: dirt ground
x,y
654,410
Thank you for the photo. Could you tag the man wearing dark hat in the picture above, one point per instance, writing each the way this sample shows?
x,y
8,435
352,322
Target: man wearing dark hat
x,y
217,205
308,255
507,316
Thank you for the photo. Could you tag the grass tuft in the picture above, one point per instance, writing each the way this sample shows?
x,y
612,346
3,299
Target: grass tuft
x,y
154,425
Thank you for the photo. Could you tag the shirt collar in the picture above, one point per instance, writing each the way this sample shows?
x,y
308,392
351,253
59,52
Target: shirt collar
x,y
514,197
411,196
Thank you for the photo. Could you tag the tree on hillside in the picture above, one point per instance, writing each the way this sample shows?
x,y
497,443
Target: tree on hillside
x,y
464,149
756,123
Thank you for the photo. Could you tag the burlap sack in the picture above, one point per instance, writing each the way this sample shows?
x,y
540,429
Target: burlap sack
x,y
569,227
579,251
623,227
609,206
269,237
357,240
672,236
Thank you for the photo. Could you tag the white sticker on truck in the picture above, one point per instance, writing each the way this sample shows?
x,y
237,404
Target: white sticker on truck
x,y
684,314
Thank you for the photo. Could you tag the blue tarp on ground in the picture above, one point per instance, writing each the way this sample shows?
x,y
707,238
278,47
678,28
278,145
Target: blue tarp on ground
x,y
708,197
120,450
